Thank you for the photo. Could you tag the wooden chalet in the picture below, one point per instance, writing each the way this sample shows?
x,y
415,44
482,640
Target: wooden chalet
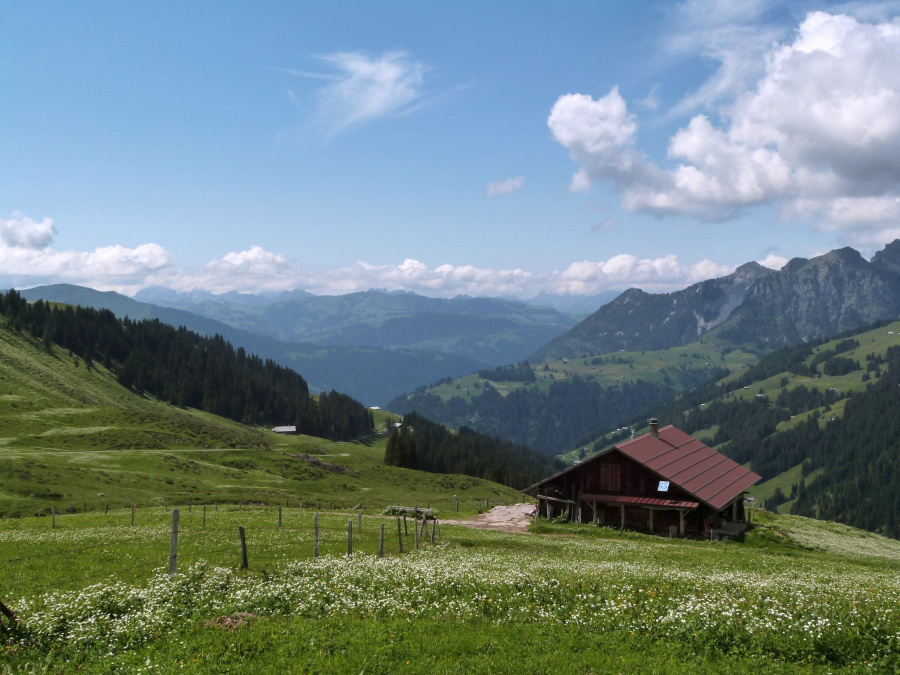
x,y
665,481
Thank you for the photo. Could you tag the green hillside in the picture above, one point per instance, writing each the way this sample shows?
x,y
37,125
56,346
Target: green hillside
x,y
555,405
69,433
820,422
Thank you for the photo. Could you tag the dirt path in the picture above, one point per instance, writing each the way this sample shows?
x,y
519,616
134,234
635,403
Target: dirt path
x,y
512,518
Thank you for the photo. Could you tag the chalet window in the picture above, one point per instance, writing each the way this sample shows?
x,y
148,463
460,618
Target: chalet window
x,y
610,477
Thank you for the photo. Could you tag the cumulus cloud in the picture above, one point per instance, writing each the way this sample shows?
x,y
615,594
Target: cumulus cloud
x,y
504,187
254,270
625,270
817,136
364,88
20,231
772,261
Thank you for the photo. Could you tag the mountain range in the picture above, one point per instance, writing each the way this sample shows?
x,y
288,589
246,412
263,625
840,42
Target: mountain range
x,y
372,346
754,308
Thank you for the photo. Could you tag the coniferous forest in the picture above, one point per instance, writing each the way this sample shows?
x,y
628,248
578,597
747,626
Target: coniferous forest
x,y
187,370
426,445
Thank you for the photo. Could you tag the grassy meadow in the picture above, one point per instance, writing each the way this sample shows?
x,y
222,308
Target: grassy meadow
x,y
796,596
69,434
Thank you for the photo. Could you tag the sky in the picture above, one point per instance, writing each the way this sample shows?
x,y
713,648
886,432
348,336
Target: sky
x,y
509,148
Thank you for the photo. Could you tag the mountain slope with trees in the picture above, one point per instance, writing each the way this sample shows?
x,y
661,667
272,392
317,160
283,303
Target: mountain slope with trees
x,y
371,374
826,413
187,370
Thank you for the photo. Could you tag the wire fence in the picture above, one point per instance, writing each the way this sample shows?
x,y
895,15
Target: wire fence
x,y
70,552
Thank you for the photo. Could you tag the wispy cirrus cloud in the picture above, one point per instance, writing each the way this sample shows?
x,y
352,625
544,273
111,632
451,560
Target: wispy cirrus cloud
x,y
504,187
361,88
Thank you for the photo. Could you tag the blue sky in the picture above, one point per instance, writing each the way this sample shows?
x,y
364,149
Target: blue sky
x,y
506,148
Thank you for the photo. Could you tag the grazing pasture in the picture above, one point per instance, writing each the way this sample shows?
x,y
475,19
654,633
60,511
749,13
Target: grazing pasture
x,y
797,596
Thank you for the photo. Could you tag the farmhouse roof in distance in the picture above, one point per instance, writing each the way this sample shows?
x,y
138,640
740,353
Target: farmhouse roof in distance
x,y
675,456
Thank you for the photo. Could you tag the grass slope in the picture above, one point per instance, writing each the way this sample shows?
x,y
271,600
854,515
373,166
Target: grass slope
x,y
68,434
798,596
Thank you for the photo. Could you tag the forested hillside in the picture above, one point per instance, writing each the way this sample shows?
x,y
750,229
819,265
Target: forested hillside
x,y
370,374
185,369
426,445
549,420
821,421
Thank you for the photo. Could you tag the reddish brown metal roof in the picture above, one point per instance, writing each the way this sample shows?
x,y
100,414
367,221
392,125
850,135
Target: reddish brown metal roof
x,y
643,501
681,459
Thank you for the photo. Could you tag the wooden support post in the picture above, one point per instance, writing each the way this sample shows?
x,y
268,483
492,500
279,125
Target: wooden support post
x,y
244,564
316,539
173,543
132,515
457,506
622,507
350,537
204,515
681,522
381,543
433,527
360,521
651,519
416,531
53,515
10,615
279,516
107,508
594,519
424,531
405,528
578,521
399,535
549,511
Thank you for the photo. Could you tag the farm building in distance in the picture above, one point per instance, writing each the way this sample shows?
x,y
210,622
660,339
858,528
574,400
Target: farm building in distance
x,y
664,481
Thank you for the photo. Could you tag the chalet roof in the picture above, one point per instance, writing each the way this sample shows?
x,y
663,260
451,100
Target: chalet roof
x,y
681,459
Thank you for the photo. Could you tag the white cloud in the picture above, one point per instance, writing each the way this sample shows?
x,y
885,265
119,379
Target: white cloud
x,y
504,187
774,262
817,135
127,270
20,231
366,88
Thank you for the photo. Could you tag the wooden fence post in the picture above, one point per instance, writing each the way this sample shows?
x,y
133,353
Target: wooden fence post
x,y
244,564
416,527
279,516
107,508
53,515
173,543
381,543
350,537
132,515
405,529
399,535
360,521
316,547
433,528
10,615
204,515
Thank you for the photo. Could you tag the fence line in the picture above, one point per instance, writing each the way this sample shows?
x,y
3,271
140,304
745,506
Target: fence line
x,y
235,546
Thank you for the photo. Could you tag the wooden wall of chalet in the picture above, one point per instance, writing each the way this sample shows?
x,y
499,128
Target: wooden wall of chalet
x,y
614,473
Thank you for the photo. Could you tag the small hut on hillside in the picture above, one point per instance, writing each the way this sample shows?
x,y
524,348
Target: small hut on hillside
x,y
664,481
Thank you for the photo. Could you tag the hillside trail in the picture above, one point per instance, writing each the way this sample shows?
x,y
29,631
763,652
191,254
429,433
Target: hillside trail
x,y
512,518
